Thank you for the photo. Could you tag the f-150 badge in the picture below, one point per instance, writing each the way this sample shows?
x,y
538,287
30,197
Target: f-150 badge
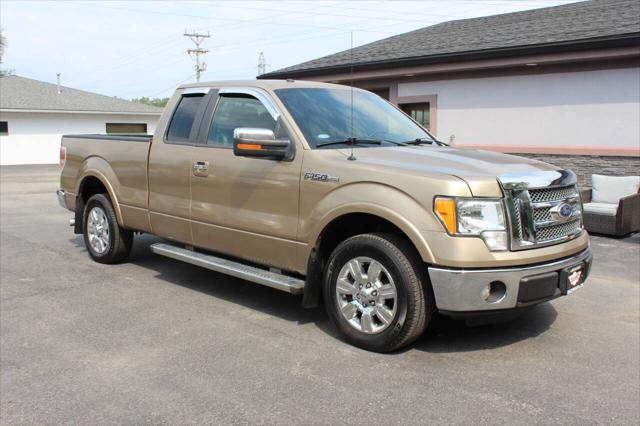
x,y
320,177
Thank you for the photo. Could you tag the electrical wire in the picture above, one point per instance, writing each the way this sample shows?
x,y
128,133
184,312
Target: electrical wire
x,y
160,50
172,87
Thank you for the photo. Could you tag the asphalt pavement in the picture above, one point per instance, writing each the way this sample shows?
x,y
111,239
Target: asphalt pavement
x,y
156,341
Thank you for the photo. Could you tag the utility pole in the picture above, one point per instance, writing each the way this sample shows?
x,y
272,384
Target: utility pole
x,y
262,64
197,38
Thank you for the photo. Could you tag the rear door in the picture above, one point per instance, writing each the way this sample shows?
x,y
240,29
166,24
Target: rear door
x,y
170,167
244,207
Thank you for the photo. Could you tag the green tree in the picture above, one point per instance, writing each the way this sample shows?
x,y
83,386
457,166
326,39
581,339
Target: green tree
x,y
3,43
157,102
3,46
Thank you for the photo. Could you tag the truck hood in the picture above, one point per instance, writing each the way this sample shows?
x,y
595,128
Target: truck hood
x,y
479,169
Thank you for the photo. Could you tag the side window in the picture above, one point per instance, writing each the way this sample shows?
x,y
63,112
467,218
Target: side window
x,y
184,117
235,111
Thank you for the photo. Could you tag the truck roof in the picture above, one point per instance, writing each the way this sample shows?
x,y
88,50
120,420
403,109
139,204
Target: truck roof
x,y
265,84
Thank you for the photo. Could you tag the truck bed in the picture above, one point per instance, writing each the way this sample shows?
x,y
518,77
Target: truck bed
x,y
122,158
130,137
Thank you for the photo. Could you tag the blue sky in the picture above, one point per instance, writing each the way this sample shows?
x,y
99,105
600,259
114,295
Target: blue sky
x,y
137,48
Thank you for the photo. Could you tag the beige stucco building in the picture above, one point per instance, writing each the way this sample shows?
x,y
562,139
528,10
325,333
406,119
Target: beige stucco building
x,y
560,83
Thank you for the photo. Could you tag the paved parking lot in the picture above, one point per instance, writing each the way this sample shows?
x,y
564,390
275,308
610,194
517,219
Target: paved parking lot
x,y
157,341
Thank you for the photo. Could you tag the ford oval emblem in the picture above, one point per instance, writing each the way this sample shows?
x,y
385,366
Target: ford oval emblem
x,y
565,211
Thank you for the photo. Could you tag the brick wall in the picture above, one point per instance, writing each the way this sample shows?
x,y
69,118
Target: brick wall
x,y
586,165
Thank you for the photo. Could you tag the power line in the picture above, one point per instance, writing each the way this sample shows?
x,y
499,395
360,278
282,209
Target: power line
x,y
127,61
173,86
250,21
227,47
338,15
197,38
287,38
131,83
155,49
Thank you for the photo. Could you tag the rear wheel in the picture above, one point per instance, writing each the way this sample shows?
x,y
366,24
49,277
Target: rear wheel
x,y
376,292
105,240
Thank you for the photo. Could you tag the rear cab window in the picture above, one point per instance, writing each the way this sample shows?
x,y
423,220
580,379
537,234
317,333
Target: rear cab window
x,y
187,113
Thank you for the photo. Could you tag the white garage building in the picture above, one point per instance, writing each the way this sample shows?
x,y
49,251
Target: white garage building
x,y
34,115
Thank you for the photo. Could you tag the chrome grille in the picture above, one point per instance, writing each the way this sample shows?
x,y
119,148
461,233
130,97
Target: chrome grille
x,y
542,214
538,215
552,194
554,232
517,223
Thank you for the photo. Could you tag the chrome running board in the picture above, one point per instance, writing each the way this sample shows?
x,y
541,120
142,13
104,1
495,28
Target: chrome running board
x,y
235,269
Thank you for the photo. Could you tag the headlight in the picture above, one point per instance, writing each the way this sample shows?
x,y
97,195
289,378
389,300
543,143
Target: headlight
x,y
478,217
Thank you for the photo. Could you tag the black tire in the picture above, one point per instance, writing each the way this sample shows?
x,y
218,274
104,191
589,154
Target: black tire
x,y
120,240
415,305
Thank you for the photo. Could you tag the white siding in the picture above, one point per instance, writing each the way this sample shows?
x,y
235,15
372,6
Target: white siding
x,y
574,109
34,138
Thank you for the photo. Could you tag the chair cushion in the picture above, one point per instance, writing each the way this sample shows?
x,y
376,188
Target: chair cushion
x,y
601,208
609,189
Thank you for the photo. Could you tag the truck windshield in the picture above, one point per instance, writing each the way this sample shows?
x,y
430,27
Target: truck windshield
x,y
324,116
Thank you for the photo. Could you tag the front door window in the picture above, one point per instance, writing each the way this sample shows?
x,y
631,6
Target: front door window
x,y
237,111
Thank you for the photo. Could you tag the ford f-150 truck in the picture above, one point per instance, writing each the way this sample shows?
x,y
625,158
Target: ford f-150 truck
x,y
333,193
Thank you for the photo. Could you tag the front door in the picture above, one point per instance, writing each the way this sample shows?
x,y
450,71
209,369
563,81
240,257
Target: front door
x,y
240,206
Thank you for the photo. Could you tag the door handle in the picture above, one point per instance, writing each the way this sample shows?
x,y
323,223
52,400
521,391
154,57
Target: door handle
x,y
201,168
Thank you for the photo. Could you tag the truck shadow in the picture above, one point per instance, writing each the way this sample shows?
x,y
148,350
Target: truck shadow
x,y
445,336
453,335
221,286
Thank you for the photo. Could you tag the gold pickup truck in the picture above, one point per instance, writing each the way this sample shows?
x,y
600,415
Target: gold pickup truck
x,y
333,193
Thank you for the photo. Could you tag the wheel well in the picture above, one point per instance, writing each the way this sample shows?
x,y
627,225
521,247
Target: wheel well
x,y
333,234
349,225
91,186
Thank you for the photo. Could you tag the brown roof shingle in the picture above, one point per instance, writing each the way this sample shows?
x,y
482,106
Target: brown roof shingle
x,y
574,22
24,93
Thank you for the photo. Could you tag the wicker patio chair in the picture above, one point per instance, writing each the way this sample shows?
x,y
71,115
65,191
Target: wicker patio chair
x,y
612,206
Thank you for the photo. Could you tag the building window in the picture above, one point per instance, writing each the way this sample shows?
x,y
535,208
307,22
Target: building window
x,y
127,128
383,93
4,128
419,112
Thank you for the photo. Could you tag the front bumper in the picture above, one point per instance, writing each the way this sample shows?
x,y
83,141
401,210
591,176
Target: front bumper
x,y
465,290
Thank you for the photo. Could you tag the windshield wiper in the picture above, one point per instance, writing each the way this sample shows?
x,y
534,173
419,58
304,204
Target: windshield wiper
x,y
351,141
420,141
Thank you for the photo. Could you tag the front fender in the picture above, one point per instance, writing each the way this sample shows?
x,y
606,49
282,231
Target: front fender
x,y
386,202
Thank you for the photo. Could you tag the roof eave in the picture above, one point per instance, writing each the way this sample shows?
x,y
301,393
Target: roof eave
x,y
623,40
67,111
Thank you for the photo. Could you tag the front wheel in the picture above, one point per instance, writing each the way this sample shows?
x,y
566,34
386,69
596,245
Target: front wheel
x,y
105,240
376,292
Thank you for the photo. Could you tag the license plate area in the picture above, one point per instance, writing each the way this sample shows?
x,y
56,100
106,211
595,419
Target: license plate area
x,y
572,278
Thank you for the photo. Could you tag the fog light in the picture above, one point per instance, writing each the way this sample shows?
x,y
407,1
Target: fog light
x,y
496,240
494,292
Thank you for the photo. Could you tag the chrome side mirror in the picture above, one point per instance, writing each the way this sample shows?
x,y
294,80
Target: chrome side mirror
x,y
261,143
